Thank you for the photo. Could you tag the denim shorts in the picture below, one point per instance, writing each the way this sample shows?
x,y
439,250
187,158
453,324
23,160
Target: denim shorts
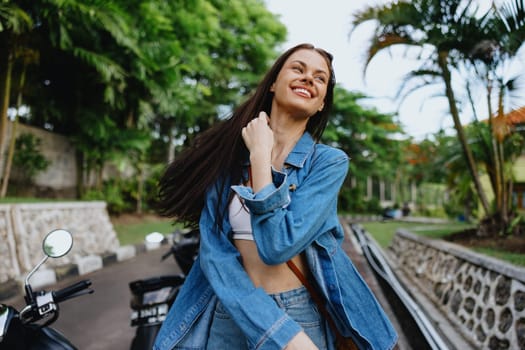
x,y
297,303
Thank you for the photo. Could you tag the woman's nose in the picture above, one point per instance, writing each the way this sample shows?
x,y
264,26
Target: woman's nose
x,y
308,78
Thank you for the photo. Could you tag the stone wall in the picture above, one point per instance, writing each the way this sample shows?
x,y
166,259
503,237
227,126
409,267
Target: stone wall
x,y
61,175
23,227
60,178
483,297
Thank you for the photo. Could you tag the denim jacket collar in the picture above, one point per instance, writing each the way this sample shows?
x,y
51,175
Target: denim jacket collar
x,y
300,152
297,157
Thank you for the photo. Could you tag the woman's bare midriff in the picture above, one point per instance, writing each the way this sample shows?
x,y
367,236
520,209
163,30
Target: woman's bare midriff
x,y
272,278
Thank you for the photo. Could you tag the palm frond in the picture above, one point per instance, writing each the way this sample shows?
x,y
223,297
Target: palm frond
x,y
14,19
513,14
419,79
512,28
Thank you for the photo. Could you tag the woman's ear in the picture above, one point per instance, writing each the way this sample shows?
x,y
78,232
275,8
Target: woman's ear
x,y
321,108
272,87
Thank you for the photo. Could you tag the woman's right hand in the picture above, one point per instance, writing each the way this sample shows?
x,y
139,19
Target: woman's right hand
x,y
301,342
258,138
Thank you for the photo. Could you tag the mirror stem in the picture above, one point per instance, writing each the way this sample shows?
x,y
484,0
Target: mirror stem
x,y
27,286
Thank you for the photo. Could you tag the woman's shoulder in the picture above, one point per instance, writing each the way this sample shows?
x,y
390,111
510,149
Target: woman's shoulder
x,y
329,153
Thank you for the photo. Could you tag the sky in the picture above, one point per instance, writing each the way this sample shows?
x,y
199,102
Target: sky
x,y
327,24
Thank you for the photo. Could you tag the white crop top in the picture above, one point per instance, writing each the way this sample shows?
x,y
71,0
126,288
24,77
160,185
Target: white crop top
x,y
240,220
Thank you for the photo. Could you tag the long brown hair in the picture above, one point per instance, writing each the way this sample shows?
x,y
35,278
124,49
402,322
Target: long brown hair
x,y
219,152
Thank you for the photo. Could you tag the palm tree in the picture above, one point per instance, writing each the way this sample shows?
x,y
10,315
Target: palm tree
x,y
445,32
490,59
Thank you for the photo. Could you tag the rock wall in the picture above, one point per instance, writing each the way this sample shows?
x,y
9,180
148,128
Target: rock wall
x,y
59,180
483,297
23,227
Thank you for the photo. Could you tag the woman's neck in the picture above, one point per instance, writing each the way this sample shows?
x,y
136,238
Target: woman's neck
x,y
285,138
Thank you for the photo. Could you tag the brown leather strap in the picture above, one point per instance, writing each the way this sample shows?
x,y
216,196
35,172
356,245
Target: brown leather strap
x,y
316,298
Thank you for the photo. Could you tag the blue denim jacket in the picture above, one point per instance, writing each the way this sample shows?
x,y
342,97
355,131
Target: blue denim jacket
x,y
296,213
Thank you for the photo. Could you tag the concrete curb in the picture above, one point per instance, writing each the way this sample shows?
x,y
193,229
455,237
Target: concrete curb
x,y
84,265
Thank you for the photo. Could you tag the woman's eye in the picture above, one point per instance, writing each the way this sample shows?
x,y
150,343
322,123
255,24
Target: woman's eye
x,y
298,69
321,79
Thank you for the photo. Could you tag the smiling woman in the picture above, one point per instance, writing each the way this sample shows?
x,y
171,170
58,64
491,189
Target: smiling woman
x,y
383,77
266,253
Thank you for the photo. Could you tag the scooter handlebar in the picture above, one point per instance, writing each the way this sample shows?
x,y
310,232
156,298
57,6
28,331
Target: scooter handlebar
x,y
67,292
168,253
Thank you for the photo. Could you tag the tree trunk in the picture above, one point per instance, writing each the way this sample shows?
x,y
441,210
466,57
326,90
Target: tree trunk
x,y
500,154
496,165
99,175
140,187
6,68
505,195
171,147
12,143
80,173
442,61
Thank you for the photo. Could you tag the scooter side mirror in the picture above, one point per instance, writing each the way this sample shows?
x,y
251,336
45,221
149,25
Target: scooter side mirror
x,y
57,243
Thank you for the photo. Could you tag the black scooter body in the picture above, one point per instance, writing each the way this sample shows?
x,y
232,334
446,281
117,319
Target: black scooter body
x,y
152,298
32,337
29,328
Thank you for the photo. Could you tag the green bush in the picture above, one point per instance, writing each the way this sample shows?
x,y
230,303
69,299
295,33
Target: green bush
x,y
373,206
112,195
122,195
28,161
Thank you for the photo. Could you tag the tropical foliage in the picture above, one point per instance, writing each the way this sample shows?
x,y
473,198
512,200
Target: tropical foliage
x,y
457,38
365,134
126,80
119,77
370,138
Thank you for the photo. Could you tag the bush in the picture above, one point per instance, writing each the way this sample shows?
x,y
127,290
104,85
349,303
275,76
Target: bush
x,y
28,161
122,195
373,206
352,200
112,195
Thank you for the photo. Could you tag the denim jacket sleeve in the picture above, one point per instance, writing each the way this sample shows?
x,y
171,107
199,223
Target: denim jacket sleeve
x,y
283,227
265,325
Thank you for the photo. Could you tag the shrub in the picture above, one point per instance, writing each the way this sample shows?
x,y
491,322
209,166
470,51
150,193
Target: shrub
x,y
28,161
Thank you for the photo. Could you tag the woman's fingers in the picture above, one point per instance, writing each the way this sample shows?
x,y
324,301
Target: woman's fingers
x,y
258,133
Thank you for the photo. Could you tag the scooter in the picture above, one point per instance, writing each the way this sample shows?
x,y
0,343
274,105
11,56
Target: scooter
x,y
151,298
29,329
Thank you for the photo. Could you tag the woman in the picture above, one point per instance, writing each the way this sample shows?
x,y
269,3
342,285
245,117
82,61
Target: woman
x,y
264,193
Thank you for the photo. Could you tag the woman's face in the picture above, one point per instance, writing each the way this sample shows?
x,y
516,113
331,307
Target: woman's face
x,y
300,87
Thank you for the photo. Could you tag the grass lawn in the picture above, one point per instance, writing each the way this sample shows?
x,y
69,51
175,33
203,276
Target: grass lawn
x,y
513,258
132,229
383,233
18,200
